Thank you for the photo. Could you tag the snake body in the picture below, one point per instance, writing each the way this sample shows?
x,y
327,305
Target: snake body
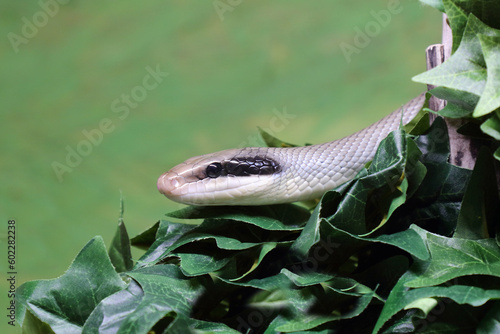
x,y
269,175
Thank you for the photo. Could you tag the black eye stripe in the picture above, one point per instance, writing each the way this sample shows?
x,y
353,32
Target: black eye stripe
x,y
243,166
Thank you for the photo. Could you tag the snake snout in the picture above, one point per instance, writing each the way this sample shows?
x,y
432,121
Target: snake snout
x,y
169,184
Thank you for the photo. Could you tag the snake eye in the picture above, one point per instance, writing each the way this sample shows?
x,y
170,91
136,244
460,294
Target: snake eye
x,y
214,170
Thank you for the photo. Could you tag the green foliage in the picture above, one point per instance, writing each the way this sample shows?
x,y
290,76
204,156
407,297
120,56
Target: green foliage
x,y
469,80
411,244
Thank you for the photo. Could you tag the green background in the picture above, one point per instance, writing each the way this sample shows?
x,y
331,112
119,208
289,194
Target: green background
x,y
227,74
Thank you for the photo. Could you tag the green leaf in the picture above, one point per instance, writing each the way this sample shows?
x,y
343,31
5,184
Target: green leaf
x,y
272,141
465,70
66,302
145,239
338,290
480,206
458,103
420,123
272,217
108,316
492,126
402,298
263,250
165,290
435,205
119,252
487,10
490,99
182,324
167,233
491,321
454,257
33,325
193,264
457,19
496,155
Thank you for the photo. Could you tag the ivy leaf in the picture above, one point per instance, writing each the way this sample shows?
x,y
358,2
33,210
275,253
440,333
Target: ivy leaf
x,y
458,103
271,217
454,257
33,325
145,239
119,252
490,99
402,298
457,19
193,264
420,123
165,291
272,141
108,316
449,258
166,234
480,206
491,321
66,302
465,70
492,126
487,10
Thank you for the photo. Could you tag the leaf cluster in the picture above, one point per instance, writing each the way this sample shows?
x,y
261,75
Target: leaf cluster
x,y
469,80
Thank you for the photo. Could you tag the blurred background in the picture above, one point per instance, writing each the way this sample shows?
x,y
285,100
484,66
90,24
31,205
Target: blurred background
x,y
99,98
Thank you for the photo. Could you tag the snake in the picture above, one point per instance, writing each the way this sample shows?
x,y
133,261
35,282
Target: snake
x,y
277,175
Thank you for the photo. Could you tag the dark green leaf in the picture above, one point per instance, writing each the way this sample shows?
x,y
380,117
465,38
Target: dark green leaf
x,y
193,264
403,298
119,252
491,321
66,302
167,233
490,99
480,206
165,291
272,217
108,316
272,141
420,123
145,239
457,19
487,10
459,103
497,154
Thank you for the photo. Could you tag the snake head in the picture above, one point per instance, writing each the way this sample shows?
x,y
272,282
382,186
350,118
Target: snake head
x,y
220,178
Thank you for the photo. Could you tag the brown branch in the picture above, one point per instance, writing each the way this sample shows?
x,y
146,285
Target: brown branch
x,y
463,150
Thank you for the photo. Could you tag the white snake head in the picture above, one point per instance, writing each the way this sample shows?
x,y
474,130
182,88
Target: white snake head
x,y
221,178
